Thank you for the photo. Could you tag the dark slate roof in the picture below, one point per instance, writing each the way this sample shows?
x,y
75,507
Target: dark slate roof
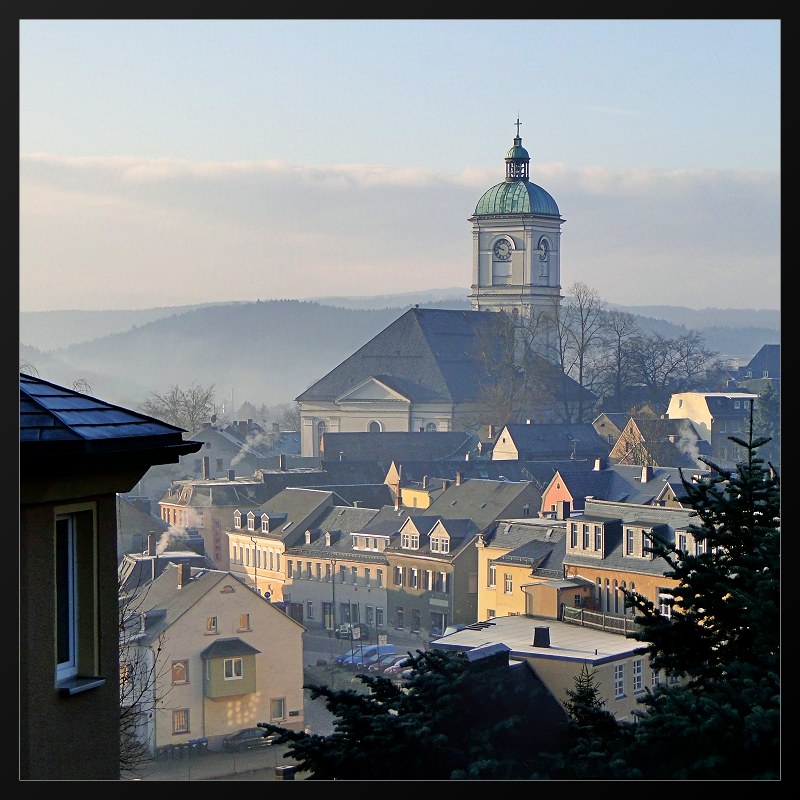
x,y
373,495
340,522
330,473
238,493
416,445
767,359
671,519
557,439
428,355
229,648
482,501
137,569
55,421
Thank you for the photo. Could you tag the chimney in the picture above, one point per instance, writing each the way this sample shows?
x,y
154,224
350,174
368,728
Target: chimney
x,y
282,461
424,481
541,636
466,457
151,545
599,464
445,485
308,537
491,431
206,469
231,474
355,503
397,500
563,509
458,478
647,474
327,538
184,574
276,428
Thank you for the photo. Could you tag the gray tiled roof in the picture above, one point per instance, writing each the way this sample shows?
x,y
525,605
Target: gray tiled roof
x,y
482,501
428,355
397,446
557,440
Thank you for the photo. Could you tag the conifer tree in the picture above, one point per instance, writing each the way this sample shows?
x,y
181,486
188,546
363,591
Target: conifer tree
x,y
721,718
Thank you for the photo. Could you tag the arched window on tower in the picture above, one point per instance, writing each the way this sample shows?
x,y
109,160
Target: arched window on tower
x,y
374,427
321,428
544,258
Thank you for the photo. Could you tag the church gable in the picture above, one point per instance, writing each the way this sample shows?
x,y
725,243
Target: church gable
x,y
371,390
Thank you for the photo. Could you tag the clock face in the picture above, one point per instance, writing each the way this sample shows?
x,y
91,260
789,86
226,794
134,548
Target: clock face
x,y
502,249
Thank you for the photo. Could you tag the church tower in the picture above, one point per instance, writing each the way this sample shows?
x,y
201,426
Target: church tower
x,y
516,243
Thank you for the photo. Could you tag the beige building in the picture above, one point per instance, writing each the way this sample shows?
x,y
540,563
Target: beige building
x,y
716,417
223,658
558,651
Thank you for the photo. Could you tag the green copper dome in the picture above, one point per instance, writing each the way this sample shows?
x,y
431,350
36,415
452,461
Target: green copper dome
x,y
517,195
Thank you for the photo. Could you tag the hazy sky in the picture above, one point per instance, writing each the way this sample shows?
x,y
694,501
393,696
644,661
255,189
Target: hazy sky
x,y
174,162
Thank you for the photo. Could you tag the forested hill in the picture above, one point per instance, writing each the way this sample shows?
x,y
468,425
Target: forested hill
x,y
264,352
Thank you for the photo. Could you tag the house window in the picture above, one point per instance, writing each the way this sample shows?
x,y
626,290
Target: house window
x,y
737,404
379,575
413,581
508,582
585,537
264,525
700,547
638,675
619,681
211,625
435,544
370,611
237,521
428,580
328,573
492,579
367,576
77,638
354,575
277,708
665,603
180,672
655,677
233,669
244,622
309,566
398,576
319,571
526,510
672,680
180,720
399,617
444,546
410,541
290,568
342,574
251,522
374,427
379,617
310,609
416,622
628,541
490,613
682,542
598,538
573,534
431,426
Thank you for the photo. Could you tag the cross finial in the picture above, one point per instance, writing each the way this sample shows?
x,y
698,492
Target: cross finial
x,y
518,123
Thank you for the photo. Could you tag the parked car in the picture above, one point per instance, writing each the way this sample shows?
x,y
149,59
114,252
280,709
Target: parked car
x,y
358,631
247,739
385,661
397,668
358,655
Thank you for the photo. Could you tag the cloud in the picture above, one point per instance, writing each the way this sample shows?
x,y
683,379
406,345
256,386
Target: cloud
x,y
134,233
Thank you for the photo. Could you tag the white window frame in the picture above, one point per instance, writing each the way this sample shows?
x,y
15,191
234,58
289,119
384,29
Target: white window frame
x,y
277,708
619,681
491,578
233,668
508,583
638,675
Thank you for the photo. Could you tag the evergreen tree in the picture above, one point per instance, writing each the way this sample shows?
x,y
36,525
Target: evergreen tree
x,y
721,720
448,721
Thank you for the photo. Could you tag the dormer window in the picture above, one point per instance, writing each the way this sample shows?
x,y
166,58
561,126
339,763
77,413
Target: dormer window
x,y
251,521
237,520
409,541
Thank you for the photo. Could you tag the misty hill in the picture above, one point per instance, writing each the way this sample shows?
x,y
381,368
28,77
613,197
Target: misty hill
x,y
270,351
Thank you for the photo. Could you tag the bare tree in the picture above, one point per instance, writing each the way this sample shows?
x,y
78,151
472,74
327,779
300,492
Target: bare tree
x,y
185,408
140,682
619,331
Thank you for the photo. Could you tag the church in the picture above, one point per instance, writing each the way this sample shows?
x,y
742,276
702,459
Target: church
x,y
434,369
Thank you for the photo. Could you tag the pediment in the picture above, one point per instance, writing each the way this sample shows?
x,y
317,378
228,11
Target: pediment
x,y
371,390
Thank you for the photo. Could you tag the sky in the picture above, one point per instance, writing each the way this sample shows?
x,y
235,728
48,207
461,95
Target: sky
x,y
181,161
